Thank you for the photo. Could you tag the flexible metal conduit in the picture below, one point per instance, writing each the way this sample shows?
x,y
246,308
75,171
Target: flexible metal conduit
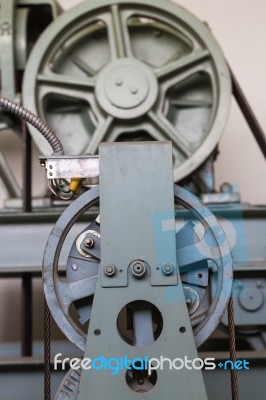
x,y
34,120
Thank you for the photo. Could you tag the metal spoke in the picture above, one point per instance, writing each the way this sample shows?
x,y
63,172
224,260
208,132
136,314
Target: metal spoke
x,y
170,133
184,63
83,66
99,135
118,34
73,93
66,82
73,291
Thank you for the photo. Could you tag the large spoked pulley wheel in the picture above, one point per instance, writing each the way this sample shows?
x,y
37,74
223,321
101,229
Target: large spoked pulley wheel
x,y
142,70
193,252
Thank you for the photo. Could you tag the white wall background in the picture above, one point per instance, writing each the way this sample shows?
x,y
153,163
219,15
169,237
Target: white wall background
x,y
240,28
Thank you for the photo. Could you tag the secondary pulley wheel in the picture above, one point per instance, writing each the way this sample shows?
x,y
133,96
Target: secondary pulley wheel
x,y
201,248
142,70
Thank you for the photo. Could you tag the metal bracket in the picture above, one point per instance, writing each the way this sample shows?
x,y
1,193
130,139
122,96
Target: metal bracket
x,y
133,197
67,167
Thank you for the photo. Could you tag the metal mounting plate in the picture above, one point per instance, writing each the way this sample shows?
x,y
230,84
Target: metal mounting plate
x,y
129,190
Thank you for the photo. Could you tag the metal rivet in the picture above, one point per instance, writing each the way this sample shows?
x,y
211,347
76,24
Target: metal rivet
x,y
110,270
134,90
119,82
74,267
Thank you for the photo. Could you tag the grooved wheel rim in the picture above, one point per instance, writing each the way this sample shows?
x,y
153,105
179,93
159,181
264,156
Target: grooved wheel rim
x,y
188,80
56,291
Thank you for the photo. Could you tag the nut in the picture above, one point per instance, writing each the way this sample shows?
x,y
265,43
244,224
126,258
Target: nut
x,y
167,269
89,242
138,268
110,270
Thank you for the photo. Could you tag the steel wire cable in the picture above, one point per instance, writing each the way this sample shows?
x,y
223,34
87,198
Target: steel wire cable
x,y
232,348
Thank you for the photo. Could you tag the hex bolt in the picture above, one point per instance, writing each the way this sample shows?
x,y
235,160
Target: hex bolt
x,y
167,269
110,270
89,242
74,267
138,268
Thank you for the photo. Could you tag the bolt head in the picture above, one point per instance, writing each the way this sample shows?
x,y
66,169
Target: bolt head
x,y
138,268
74,267
110,270
89,242
167,269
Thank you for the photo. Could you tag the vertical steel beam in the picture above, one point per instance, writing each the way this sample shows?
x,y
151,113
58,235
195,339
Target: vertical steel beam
x,y
7,59
26,315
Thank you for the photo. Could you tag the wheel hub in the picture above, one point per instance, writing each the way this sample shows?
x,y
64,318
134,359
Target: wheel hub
x,y
126,88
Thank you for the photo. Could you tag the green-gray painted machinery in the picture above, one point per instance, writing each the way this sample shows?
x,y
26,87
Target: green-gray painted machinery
x,y
21,23
134,276
129,71
151,275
